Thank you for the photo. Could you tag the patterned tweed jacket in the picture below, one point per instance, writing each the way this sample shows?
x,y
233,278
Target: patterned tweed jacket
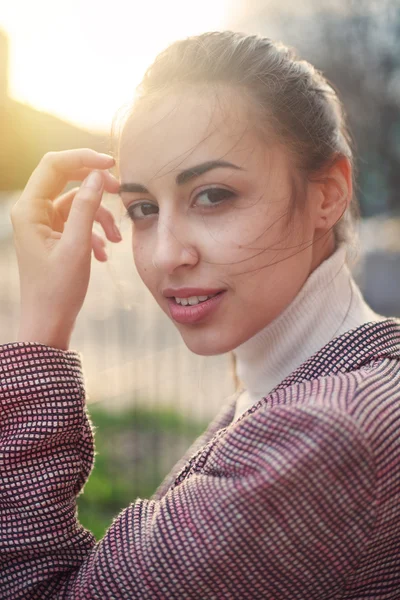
x,y
297,498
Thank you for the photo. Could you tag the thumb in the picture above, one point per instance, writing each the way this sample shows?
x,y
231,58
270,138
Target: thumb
x,y
86,203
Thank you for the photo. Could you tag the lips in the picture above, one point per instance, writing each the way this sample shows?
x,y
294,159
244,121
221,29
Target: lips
x,y
196,313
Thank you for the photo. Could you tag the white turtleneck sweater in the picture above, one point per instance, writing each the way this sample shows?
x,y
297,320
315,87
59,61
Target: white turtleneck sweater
x,y
329,304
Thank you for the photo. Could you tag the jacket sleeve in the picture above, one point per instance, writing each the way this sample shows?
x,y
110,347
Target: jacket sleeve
x,y
280,505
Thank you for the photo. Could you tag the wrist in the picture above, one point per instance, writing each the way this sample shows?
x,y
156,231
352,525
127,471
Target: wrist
x,y
54,337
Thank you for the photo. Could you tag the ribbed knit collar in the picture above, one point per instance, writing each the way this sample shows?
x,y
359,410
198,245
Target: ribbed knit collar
x,y
328,305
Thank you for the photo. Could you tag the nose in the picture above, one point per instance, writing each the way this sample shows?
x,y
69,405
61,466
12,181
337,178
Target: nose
x,y
174,248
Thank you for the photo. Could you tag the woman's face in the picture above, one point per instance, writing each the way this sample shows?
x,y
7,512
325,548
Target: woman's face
x,y
209,203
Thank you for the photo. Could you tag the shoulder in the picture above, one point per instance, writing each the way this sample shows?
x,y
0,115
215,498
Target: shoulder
x,y
308,448
373,389
358,409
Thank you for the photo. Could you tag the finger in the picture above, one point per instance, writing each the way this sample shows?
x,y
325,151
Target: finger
x,y
38,212
78,228
55,170
102,216
98,246
107,221
63,202
111,184
60,209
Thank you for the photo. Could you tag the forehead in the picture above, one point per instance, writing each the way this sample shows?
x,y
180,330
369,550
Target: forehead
x,y
185,129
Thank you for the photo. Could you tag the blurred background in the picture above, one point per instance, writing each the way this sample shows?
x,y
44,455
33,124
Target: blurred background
x,y
65,70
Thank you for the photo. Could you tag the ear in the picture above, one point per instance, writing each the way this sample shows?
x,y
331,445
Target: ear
x,y
334,192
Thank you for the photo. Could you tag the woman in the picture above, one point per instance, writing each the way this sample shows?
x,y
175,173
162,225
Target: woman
x,y
236,170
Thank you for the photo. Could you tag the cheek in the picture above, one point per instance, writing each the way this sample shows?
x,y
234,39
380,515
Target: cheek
x,y
250,238
259,224
143,263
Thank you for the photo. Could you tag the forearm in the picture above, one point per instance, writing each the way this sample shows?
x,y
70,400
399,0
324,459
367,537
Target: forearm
x,y
46,453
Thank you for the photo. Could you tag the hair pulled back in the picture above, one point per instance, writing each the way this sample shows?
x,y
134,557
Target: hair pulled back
x,y
285,91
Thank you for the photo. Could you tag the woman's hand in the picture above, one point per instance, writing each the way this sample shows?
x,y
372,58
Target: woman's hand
x,y
53,239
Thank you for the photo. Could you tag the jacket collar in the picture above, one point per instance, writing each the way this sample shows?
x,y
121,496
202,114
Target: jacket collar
x,y
349,352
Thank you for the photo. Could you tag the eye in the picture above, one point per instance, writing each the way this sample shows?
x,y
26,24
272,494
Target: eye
x,y
141,210
213,196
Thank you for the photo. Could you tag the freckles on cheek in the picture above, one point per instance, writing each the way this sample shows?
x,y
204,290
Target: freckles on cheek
x,y
143,264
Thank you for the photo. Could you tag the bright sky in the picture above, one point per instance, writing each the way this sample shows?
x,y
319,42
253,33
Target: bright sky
x,y
81,59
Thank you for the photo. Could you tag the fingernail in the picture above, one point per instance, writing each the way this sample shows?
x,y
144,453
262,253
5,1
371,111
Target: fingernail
x,y
117,232
107,156
94,180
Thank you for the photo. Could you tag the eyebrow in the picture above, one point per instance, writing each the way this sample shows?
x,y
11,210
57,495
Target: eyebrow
x,y
184,176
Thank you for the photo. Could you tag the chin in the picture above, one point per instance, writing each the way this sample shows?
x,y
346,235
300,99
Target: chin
x,y
207,343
